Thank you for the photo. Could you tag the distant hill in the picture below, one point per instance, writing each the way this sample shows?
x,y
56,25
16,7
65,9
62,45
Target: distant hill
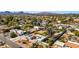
x,y
38,13
46,13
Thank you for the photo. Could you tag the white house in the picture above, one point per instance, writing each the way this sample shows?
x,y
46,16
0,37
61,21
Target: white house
x,y
36,27
59,43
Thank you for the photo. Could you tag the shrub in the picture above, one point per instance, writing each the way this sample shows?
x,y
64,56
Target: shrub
x,y
13,35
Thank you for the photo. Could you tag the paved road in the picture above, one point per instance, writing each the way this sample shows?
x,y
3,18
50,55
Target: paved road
x,y
9,42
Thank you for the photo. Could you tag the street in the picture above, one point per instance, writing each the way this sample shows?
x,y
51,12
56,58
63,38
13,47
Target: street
x,y
9,42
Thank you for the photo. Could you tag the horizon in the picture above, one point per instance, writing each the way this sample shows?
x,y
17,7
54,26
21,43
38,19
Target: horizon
x,y
59,12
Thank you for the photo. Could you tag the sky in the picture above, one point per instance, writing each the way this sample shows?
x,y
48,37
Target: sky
x,y
39,5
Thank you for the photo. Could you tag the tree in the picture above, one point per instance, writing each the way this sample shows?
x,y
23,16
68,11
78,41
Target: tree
x,y
49,31
34,21
77,33
12,23
8,19
50,42
13,35
35,45
71,19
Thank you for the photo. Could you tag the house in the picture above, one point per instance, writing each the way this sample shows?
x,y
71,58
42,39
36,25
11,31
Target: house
x,y
18,32
60,27
58,21
71,44
58,44
40,37
44,23
69,33
27,40
74,39
32,30
19,38
76,29
76,20
36,37
36,27
4,28
22,41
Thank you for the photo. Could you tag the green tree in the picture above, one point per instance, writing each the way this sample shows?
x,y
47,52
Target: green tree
x,y
13,35
77,33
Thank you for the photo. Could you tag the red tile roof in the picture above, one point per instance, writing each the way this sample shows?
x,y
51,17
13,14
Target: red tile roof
x,y
72,45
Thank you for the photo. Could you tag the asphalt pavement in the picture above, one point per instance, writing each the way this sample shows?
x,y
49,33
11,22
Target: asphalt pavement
x,y
9,42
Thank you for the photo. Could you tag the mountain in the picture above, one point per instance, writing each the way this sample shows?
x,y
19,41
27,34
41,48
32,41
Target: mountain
x,y
40,12
45,13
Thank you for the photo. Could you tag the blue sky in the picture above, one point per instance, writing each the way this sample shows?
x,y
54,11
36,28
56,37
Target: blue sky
x,y
60,12
76,12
